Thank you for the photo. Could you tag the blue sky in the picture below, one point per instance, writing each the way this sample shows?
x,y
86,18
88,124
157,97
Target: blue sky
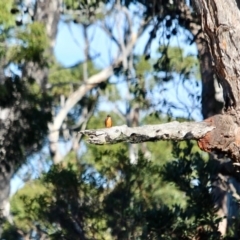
x,y
69,50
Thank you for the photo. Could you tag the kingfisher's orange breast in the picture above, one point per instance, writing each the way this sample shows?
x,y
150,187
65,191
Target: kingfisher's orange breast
x,y
108,122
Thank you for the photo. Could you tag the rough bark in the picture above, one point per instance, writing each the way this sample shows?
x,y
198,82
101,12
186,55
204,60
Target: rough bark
x,y
222,139
168,131
212,99
221,30
222,38
212,103
226,187
212,94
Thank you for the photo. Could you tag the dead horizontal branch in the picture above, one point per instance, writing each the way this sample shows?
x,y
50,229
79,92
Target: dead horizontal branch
x,y
168,131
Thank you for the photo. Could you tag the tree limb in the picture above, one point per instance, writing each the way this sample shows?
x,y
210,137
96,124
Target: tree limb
x,y
218,134
88,85
168,131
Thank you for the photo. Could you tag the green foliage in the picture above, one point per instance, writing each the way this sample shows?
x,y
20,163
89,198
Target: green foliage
x,y
100,195
111,92
6,24
122,201
10,232
86,11
142,66
33,43
66,80
24,219
192,175
6,18
77,5
172,60
32,113
69,196
138,90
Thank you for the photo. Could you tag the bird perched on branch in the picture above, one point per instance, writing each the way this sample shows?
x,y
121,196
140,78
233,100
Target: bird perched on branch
x,y
108,121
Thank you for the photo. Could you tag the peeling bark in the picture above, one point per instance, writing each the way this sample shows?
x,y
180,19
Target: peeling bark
x,y
212,98
224,139
168,131
221,30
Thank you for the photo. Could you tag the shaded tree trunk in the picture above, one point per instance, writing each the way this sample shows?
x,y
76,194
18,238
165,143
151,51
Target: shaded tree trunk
x,y
216,26
11,157
226,178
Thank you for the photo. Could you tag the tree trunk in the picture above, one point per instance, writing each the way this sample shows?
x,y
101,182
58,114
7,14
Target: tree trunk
x,y
10,150
217,25
221,30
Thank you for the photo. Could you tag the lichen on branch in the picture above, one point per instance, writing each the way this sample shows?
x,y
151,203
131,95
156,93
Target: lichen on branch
x,y
219,134
168,131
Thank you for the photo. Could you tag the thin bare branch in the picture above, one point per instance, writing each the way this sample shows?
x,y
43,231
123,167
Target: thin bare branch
x,y
119,112
107,30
